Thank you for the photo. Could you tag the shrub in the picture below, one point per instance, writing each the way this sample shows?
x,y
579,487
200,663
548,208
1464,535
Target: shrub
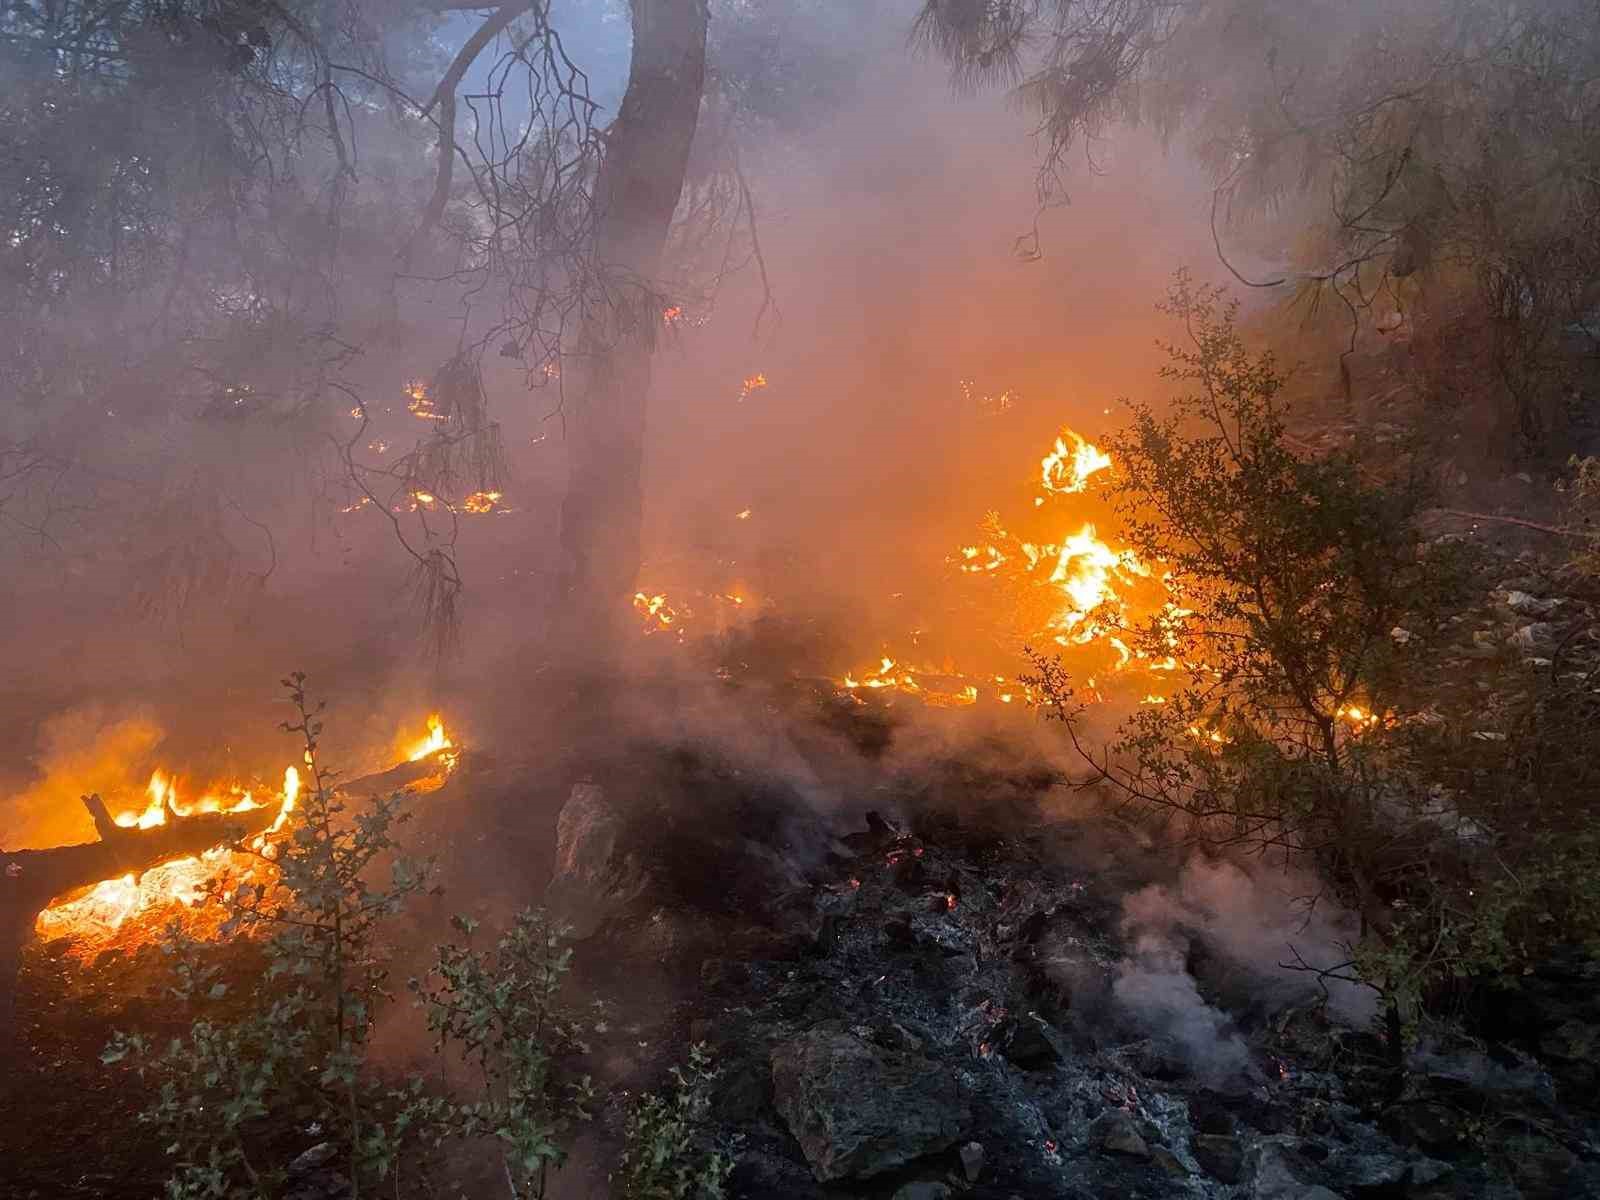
x,y
1301,729
663,1156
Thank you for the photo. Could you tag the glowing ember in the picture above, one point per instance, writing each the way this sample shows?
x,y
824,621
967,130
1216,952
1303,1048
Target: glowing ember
x,y
419,403
671,315
658,614
481,502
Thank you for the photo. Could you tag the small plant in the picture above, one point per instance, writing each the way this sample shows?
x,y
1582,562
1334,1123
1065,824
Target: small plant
x,y
299,1043
500,1012
663,1156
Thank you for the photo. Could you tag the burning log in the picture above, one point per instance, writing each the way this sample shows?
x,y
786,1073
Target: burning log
x,y
32,880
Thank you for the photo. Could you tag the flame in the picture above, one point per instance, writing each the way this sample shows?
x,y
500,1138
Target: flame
x,y
658,614
1076,589
671,315
436,741
1068,468
742,515
752,383
132,909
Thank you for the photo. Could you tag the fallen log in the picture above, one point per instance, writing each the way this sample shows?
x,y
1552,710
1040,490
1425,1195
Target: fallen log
x,y
32,880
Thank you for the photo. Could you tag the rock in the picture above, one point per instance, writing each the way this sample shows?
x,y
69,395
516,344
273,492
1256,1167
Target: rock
x,y
1571,1041
314,1159
593,876
1388,1174
923,1190
1220,1156
858,1110
1168,1162
1278,1172
1026,1044
1423,1123
1534,636
1462,1070
1530,606
311,1176
1541,1167
1116,1132
972,1160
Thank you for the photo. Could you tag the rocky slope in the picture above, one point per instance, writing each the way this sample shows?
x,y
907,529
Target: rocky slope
x,y
995,991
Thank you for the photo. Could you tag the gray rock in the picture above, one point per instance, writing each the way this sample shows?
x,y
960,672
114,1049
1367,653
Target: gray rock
x,y
1116,1132
1423,1123
311,1176
1534,636
857,1109
1571,1041
1542,1168
1027,1044
1221,1156
1277,1172
1449,1070
314,1159
972,1160
1168,1162
1530,606
593,875
923,1190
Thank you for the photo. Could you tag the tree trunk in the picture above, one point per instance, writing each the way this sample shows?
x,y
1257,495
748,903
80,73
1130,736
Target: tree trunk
x,y
640,179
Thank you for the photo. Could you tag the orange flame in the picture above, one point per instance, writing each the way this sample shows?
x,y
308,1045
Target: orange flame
x,y
1068,468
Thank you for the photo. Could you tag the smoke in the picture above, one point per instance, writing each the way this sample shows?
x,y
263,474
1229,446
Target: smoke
x,y
1207,952
82,751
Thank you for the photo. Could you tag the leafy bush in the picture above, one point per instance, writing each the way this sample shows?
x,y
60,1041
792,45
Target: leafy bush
x,y
501,1012
1302,728
300,1042
663,1157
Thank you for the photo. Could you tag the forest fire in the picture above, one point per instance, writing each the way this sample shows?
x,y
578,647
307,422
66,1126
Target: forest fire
x,y
133,908
1075,590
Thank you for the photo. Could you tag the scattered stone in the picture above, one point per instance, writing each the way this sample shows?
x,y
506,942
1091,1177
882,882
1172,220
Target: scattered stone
x,y
314,1159
858,1110
923,1190
1571,1041
311,1176
1542,1168
1465,1070
1220,1156
1025,1042
1399,636
1279,1173
1530,606
972,1160
1534,636
1168,1162
1427,1124
1116,1132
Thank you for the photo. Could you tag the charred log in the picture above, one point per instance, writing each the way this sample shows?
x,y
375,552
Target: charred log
x,y
32,880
